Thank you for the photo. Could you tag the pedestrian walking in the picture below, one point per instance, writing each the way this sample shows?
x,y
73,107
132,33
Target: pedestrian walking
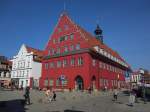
x,y
89,90
54,96
48,95
115,94
27,95
132,98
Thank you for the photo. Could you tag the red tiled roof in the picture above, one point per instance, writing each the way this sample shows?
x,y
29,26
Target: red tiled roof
x,y
35,51
39,53
92,41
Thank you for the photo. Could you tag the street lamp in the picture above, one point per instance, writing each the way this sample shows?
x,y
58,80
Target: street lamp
x,y
143,89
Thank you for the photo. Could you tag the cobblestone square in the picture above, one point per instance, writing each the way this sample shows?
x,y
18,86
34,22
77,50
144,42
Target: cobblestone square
x,y
12,101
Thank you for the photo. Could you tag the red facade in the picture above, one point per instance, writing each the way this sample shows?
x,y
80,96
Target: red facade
x,y
71,61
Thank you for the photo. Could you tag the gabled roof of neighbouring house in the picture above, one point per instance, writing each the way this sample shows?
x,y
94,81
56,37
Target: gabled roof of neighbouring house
x,y
37,53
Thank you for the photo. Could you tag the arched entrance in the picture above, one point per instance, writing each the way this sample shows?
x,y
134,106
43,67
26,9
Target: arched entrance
x,y
93,82
79,85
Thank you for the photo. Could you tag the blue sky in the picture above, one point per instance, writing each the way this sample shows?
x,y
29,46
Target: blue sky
x,y
125,24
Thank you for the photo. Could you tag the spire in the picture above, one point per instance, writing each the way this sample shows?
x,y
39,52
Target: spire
x,y
64,12
99,33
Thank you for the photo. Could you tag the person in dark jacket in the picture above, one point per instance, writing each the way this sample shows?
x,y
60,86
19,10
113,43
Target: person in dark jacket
x,y
27,95
54,96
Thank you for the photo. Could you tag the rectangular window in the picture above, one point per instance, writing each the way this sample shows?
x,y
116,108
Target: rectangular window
x,y
51,64
64,63
28,64
23,64
80,61
46,65
51,82
54,41
77,46
27,73
104,65
66,37
112,83
93,62
62,38
18,64
22,73
57,82
72,61
46,82
58,50
71,48
107,67
71,36
100,64
65,49
58,64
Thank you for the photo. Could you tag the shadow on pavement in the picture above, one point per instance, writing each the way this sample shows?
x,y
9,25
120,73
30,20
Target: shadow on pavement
x,y
72,111
17,105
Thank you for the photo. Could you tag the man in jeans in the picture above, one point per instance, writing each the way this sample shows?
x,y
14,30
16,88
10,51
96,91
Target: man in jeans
x,y
27,95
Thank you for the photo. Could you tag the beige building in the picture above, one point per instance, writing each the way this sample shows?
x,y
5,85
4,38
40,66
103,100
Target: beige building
x,y
5,68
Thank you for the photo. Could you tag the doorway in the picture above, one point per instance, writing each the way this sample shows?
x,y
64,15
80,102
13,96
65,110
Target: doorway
x,y
79,83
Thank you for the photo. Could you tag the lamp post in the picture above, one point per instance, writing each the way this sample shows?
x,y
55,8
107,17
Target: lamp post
x,y
143,89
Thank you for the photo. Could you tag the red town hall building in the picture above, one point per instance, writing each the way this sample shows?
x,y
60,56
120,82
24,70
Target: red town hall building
x,y
75,59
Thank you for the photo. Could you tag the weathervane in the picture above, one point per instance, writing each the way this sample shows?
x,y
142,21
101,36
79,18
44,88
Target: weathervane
x,y
64,9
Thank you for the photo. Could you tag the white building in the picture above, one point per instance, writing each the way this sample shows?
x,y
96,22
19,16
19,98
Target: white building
x,y
136,77
26,67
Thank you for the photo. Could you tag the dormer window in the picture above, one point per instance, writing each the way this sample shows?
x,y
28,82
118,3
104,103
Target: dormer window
x,y
96,48
108,55
105,53
101,51
111,57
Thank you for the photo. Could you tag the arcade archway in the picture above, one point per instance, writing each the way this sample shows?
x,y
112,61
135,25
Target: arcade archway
x,y
79,85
